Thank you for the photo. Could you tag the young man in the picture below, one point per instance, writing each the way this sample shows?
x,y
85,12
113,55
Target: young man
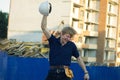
x,y
61,51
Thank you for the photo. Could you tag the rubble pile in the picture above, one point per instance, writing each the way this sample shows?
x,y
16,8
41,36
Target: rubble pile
x,y
24,49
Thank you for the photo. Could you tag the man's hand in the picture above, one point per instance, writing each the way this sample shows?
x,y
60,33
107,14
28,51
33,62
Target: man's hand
x,y
86,76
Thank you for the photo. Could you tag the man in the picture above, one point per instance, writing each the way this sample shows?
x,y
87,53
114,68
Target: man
x,y
61,51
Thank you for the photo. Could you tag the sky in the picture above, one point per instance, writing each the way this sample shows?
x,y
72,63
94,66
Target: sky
x,y
4,5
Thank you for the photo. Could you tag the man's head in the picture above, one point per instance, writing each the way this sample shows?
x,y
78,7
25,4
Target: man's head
x,y
67,33
68,30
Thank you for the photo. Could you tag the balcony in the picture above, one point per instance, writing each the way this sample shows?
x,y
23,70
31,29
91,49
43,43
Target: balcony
x,y
109,61
75,19
112,13
110,49
89,59
111,37
77,5
89,46
115,2
90,33
88,21
109,25
92,10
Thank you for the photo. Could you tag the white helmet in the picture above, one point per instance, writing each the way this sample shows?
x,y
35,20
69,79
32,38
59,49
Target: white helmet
x,y
45,8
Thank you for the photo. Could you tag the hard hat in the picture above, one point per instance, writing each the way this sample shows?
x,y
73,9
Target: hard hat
x,y
45,8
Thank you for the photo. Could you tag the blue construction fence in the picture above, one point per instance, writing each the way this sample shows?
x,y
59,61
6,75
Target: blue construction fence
x,y
23,68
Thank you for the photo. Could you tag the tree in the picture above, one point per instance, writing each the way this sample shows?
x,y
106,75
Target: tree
x,y
3,25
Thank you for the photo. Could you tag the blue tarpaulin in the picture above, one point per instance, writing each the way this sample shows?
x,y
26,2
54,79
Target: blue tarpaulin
x,y
24,68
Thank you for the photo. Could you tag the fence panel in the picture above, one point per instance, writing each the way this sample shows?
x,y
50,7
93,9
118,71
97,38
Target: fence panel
x,y
21,68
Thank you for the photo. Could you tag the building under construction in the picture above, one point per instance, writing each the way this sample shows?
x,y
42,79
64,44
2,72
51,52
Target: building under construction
x,y
96,21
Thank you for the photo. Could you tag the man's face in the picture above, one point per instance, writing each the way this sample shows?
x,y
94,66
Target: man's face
x,y
65,37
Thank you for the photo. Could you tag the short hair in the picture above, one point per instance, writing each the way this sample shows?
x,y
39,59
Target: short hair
x,y
68,30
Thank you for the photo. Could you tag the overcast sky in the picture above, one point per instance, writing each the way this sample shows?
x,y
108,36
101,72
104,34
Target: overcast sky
x,y
4,5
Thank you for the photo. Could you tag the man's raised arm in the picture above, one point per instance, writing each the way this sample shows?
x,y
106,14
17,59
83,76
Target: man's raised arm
x,y
44,27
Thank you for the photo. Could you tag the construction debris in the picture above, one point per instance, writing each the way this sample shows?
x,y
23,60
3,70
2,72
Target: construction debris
x,y
24,49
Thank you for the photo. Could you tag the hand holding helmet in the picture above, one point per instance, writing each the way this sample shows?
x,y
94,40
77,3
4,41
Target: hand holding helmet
x,y
45,8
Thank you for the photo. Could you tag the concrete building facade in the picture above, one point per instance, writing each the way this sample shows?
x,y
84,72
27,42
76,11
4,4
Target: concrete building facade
x,y
108,31
96,21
